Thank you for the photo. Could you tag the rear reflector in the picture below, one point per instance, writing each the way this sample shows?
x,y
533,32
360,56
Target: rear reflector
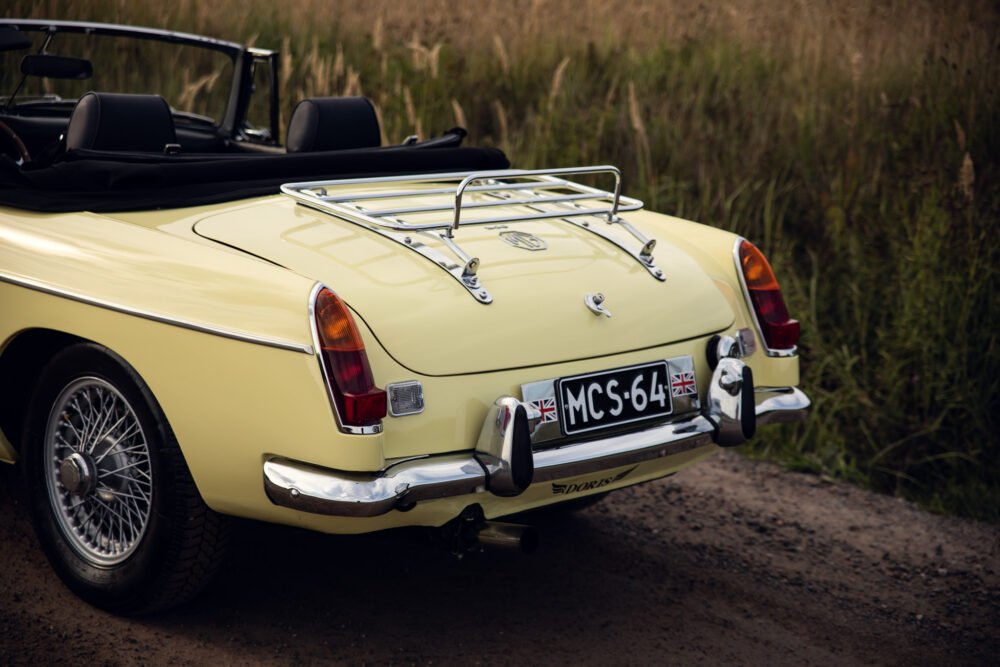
x,y
359,402
780,332
405,398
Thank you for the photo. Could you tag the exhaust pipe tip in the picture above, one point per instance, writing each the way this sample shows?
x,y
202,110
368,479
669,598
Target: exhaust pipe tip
x,y
510,536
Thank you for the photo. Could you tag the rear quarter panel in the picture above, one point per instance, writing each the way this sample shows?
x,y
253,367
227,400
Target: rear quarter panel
x,y
229,401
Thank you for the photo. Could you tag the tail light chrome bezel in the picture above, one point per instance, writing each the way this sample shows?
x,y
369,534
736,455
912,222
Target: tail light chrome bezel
x,y
769,351
328,381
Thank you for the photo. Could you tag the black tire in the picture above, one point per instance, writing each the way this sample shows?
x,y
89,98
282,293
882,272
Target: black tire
x,y
149,551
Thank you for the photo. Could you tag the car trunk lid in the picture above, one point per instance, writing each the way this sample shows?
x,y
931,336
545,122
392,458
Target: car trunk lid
x,y
431,324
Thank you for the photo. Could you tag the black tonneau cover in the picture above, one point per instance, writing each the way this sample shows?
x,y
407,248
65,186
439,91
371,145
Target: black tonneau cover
x,y
102,182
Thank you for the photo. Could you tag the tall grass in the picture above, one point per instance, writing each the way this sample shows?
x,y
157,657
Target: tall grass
x,y
857,142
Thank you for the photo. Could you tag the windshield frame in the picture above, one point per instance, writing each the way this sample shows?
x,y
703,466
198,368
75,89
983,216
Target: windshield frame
x,y
234,122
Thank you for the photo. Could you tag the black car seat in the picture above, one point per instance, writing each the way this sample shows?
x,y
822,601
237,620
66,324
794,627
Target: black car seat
x,y
121,122
332,124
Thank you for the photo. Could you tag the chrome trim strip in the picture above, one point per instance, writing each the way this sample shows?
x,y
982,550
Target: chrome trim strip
x,y
232,49
787,352
353,430
146,315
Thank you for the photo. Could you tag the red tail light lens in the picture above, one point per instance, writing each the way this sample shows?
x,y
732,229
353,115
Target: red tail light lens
x,y
779,330
359,401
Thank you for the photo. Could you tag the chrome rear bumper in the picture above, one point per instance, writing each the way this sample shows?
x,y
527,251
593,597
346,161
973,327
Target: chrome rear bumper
x,y
309,488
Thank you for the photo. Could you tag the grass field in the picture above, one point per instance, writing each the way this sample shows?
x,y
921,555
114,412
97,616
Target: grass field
x,y
857,142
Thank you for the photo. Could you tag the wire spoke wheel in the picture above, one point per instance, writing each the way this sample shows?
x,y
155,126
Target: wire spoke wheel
x,y
112,500
98,471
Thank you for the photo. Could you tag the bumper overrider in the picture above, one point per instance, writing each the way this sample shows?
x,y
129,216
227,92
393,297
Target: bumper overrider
x,y
504,463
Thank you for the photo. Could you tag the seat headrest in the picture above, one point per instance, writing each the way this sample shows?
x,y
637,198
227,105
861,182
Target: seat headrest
x,y
332,124
121,122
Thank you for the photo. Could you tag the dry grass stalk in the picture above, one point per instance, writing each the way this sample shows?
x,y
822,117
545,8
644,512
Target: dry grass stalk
x,y
502,57
378,35
424,58
338,62
190,91
434,59
353,85
960,136
287,63
967,178
383,138
459,113
609,101
411,112
557,80
641,136
502,125
609,98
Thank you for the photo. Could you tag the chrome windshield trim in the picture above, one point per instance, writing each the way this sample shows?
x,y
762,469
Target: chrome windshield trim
x,y
232,49
313,327
162,319
771,352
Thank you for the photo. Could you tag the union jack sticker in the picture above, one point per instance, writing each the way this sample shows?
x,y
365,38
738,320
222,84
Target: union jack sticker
x,y
547,409
682,384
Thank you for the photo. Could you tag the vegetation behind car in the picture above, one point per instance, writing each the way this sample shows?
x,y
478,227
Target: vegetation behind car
x,y
859,142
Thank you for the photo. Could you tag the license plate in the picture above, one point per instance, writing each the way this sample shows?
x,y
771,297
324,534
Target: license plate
x,y
610,398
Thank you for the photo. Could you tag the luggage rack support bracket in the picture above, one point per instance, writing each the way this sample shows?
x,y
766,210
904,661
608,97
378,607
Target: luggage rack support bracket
x,y
544,192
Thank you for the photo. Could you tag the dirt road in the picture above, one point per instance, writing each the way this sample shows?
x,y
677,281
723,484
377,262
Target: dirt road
x,y
731,562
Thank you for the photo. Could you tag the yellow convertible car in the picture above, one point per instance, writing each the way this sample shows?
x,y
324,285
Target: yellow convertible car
x,y
198,322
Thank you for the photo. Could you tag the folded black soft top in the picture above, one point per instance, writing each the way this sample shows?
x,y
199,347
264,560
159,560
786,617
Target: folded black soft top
x,y
89,181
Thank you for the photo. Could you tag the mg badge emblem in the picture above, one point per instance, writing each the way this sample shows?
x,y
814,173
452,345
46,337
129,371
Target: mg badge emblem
x,y
524,240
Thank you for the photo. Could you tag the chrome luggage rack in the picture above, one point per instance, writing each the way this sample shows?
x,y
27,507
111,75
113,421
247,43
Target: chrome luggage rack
x,y
542,191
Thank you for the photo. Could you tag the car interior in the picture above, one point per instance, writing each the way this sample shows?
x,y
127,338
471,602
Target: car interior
x,y
113,150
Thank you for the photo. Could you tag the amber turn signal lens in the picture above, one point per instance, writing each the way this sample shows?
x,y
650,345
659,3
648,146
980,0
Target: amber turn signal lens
x,y
337,330
756,269
780,332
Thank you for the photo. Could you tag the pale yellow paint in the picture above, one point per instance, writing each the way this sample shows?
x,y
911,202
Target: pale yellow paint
x,y
434,327
126,265
232,404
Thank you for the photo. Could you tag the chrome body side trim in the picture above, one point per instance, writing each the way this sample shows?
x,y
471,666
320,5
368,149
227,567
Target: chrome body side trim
x,y
163,319
786,352
344,428
309,488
